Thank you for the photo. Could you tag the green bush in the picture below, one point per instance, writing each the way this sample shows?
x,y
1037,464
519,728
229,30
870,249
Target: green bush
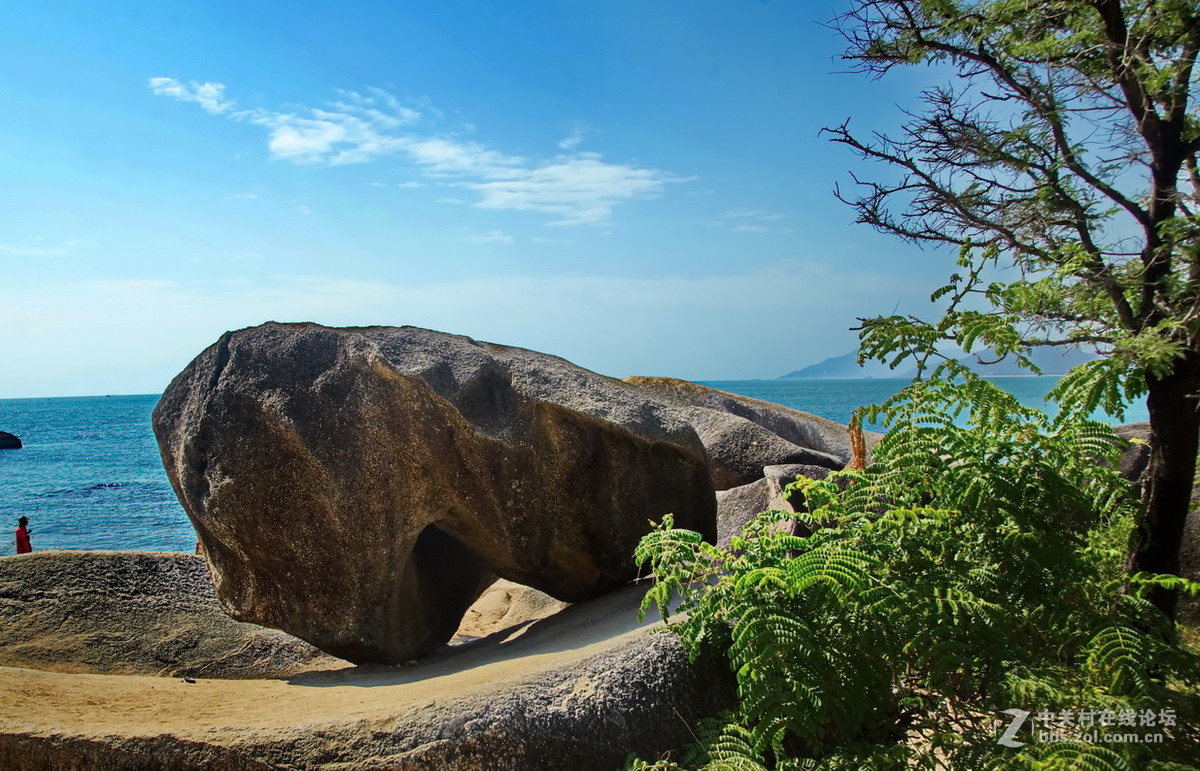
x,y
976,565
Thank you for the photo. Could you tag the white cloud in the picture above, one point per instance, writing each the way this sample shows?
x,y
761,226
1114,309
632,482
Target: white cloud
x,y
573,138
747,220
303,209
327,138
210,96
492,237
578,188
411,184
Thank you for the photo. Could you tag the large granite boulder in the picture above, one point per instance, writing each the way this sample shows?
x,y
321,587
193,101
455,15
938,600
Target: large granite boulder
x,y
359,488
744,435
134,613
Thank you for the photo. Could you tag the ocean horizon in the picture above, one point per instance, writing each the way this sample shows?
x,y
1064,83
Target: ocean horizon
x,y
90,477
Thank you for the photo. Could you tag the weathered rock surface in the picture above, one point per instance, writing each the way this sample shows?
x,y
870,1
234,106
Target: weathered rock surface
x,y
738,505
359,488
579,690
505,605
743,435
1136,455
134,613
9,441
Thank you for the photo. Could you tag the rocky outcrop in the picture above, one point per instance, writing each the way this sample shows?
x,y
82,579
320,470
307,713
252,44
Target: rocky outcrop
x,y
359,488
9,441
743,435
737,506
134,613
579,690
1136,454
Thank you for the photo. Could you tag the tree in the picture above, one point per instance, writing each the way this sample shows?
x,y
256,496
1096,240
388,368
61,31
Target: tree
x,y
974,565
1066,146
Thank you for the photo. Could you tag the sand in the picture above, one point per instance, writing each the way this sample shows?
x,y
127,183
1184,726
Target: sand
x,y
85,705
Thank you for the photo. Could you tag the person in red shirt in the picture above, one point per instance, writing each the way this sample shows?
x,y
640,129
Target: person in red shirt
x,y
23,546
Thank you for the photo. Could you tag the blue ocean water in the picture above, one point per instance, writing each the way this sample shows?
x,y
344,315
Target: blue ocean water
x,y
837,399
89,476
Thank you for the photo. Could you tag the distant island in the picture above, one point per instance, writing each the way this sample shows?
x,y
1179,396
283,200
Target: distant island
x,y
1052,361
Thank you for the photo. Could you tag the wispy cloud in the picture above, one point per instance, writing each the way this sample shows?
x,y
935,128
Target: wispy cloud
x,y
753,214
748,220
575,188
573,138
210,96
579,189
492,237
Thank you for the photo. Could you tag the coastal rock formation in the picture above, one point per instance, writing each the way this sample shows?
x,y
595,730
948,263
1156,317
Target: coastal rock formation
x,y
359,488
9,441
1136,456
579,690
738,505
134,613
743,435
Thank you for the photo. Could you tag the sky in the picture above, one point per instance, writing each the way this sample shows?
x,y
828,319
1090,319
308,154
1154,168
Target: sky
x,y
639,187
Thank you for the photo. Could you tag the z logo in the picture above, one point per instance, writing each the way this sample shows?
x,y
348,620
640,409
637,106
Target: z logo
x,y
1018,720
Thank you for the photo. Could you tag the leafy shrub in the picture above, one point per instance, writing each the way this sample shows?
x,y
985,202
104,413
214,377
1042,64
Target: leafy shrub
x,y
975,565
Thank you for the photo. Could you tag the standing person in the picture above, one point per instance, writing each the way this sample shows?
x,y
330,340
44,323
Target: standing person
x,y
23,546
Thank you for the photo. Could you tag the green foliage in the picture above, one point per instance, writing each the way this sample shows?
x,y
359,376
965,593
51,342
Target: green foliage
x,y
1063,161
976,565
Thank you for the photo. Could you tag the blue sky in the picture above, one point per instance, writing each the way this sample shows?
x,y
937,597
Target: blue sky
x,y
639,187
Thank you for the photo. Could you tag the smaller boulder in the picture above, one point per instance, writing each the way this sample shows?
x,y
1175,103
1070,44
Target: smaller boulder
x,y
9,441
1136,455
737,506
740,448
744,435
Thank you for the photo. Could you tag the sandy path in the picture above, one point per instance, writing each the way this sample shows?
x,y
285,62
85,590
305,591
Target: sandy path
x,y
39,702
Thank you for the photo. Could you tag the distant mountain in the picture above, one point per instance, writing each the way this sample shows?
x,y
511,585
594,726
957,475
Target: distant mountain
x,y
1052,361
845,368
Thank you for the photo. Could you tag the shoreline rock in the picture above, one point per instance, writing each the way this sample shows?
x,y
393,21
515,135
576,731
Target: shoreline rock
x,y
743,435
577,690
134,613
359,488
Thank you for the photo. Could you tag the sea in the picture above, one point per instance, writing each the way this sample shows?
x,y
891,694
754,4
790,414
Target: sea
x,y
89,475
